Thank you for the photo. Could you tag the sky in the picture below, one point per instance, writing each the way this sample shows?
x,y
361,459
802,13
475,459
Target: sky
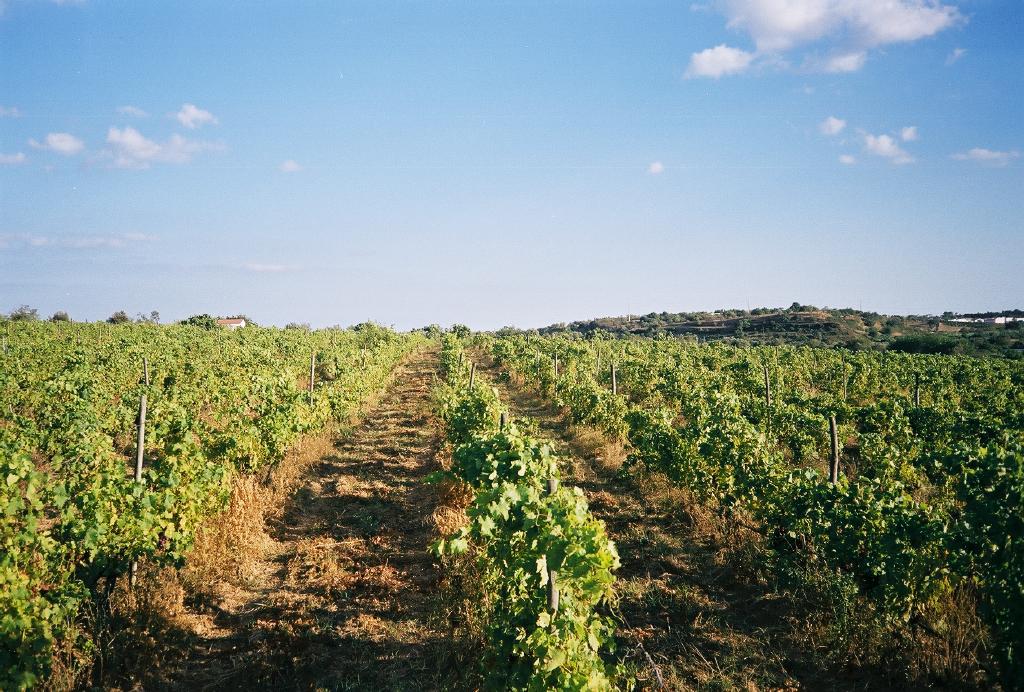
x,y
509,163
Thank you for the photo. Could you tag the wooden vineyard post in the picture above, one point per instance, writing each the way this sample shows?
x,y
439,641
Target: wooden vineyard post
x,y
472,375
312,375
145,370
552,574
767,396
833,467
140,439
140,450
502,421
917,390
615,380
556,366
598,363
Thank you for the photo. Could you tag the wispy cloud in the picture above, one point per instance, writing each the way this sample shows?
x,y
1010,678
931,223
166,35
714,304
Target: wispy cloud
x,y
909,133
987,156
132,111
656,168
955,55
886,147
12,159
840,62
9,112
831,126
847,159
130,149
261,268
59,142
74,242
718,61
191,116
843,30
290,166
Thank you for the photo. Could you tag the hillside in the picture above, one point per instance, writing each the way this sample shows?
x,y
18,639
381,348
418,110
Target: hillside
x,y
808,325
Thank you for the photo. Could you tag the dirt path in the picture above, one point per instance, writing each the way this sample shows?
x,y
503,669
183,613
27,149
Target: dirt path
x,y
348,589
690,597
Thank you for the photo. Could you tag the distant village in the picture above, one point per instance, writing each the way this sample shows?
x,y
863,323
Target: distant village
x,y
1000,319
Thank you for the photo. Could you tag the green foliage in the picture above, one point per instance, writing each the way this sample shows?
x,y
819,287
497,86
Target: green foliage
x,y
24,314
219,403
518,532
119,317
203,321
917,508
37,594
992,536
924,343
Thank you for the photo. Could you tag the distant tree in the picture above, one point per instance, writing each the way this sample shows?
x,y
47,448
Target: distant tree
x,y
298,325
367,327
24,314
925,343
119,317
203,321
60,316
462,331
152,318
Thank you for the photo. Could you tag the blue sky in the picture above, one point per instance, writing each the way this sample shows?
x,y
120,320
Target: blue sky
x,y
500,163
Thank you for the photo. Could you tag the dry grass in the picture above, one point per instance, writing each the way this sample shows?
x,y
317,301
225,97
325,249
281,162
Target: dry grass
x,y
230,548
143,635
699,604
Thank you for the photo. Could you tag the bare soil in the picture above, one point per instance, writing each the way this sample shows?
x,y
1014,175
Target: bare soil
x,y
345,593
693,610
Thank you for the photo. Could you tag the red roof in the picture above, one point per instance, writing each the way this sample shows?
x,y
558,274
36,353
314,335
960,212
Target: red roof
x,y
233,320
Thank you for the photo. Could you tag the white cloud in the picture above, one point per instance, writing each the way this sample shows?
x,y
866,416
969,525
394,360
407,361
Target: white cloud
x,y
60,142
656,168
886,147
9,112
847,159
268,268
130,149
12,159
718,61
290,166
987,156
832,125
909,133
105,241
192,116
955,55
844,62
132,111
75,242
845,29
